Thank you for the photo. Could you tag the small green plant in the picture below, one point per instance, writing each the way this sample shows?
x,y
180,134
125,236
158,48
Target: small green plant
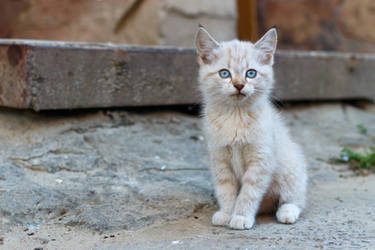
x,y
359,161
362,163
362,129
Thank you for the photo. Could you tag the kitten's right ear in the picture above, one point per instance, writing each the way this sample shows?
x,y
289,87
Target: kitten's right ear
x,y
267,44
205,44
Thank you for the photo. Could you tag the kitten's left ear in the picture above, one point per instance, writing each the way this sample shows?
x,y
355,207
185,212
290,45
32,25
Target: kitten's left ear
x,y
205,44
267,45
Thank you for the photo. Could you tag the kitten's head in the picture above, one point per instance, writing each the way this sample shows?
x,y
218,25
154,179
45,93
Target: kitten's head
x,y
235,71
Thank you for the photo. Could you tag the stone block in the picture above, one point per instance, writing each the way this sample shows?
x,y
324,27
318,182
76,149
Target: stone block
x,y
198,8
59,75
83,20
142,22
357,20
333,25
180,20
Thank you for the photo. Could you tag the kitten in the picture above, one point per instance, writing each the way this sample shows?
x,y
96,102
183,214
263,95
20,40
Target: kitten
x,y
255,165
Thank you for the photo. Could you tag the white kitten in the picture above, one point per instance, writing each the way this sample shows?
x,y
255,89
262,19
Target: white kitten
x,y
255,165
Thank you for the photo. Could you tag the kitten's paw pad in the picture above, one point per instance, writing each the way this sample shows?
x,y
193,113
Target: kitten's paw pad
x,y
288,213
220,218
241,222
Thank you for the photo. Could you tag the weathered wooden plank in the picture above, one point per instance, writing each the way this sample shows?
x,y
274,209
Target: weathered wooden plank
x,y
45,75
319,75
81,78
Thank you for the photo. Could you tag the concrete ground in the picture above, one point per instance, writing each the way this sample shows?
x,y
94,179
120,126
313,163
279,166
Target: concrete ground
x,y
138,180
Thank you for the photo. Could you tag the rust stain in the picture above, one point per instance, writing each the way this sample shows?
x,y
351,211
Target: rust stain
x,y
15,54
121,52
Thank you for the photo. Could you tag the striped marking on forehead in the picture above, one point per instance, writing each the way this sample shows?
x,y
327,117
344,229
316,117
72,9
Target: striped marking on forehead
x,y
236,56
229,57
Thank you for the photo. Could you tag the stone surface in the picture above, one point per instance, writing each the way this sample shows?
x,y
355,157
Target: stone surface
x,y
81,20
138,179
357,20
9,10
180,20
197,7
108,181
338,25
144,22
333,25
58,75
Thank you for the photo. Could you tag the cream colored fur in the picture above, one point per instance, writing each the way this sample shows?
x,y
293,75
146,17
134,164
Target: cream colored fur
x,y
255,165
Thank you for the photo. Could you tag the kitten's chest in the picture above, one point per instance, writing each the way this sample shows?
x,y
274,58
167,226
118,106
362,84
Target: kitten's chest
x,y
232,129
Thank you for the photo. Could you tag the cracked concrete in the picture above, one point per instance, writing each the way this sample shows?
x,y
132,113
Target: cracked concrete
x,y
139,180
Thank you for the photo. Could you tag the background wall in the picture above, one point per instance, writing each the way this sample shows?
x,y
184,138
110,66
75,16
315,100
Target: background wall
x,y
333,25
338,25
148,22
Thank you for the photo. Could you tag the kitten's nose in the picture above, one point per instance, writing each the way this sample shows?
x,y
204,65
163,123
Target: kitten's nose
x,y
239,86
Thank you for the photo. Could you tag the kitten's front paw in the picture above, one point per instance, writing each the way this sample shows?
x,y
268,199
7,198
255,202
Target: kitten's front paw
x,y
288,213
220,218
241,222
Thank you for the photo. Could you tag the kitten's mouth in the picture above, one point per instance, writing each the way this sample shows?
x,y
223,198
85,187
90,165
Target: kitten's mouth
x,y
238,95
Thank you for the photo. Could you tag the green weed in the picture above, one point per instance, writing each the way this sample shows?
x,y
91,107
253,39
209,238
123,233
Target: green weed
x,y
361,129
360,162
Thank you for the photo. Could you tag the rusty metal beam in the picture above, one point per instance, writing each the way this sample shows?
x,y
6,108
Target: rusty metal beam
x,y
43,75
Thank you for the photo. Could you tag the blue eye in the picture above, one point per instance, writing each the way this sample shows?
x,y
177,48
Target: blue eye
x,y
224,73
251,73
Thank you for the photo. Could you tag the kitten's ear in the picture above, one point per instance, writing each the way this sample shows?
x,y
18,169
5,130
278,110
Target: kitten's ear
x,y
205,44
267,45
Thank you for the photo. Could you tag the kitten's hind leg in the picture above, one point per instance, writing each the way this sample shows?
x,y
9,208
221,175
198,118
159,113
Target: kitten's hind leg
x,y
292,201
288,213
292,187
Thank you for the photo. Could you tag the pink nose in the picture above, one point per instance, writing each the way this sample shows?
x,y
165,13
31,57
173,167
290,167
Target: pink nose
x,y
238,86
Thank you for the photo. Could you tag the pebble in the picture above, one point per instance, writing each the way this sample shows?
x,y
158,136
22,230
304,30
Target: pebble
x,y
43,240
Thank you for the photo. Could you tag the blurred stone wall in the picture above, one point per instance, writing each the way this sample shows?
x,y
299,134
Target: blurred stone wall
x,y
333,25
338,25
78,20
145,22
182,17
